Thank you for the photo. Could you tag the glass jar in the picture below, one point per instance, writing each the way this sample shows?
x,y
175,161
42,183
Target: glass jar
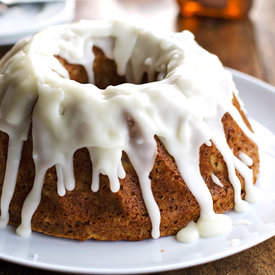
x,y
228,9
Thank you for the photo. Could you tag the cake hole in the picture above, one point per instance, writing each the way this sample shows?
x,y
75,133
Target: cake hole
x,y
158,170
76,72
159,162
215,163
104,71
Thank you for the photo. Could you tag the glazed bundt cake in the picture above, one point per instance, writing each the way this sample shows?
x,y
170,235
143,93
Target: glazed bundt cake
x,y
113,132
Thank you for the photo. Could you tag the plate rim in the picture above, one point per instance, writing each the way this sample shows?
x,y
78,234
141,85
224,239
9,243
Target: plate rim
x,y
65,15
133,270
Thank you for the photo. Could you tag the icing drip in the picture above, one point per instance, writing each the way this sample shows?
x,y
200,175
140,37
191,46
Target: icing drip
x,y
222,146
250,190
208,143
183,108
103,161
216,180
31,203
215,226
188,234
205,228
142,156
13,161
61,190
245,159
65,177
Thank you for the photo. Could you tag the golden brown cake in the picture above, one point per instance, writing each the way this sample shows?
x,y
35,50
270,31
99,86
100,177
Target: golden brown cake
x,y
200,145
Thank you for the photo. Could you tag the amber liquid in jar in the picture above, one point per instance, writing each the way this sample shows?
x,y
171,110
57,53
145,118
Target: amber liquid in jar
x,y
233,9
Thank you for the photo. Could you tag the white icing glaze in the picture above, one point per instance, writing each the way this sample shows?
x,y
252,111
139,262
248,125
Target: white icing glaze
x,y
235,242
209,227
188,234
215,226
242,222
216,180
245,159
208,143
251,192
183,109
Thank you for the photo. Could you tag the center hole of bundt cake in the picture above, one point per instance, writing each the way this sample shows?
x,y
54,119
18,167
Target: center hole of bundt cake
x,y
104,71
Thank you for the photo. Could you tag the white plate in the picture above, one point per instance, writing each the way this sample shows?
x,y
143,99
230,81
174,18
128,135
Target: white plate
x,y
22,20
166,253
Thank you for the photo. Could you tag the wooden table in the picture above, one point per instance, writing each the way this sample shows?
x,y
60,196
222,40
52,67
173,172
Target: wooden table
x,y
246,45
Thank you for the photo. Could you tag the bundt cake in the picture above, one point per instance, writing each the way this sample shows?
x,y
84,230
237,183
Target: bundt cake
x,y
113,132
